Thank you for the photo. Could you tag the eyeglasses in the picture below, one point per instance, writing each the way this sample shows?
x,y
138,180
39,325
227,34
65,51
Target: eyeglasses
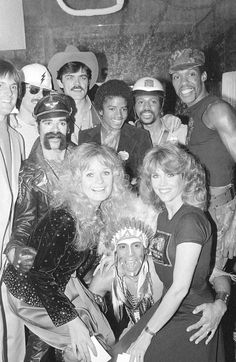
x,y
33,89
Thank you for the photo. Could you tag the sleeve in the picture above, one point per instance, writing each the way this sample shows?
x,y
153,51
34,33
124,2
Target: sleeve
x,y
53,236
26,211
192,228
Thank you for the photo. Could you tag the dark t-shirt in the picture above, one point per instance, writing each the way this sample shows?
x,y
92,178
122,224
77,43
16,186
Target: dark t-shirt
x,y
189,224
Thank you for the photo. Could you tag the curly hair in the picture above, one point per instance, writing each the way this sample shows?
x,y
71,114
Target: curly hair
x,y
68,191
175,159
113,88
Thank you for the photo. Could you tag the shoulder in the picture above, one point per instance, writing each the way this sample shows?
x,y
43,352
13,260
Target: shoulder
x,y
31,173
90,131
60,216
140,132
15,135
218,113
193,224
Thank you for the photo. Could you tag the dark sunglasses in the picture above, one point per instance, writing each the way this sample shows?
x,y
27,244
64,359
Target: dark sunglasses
x,y
33,89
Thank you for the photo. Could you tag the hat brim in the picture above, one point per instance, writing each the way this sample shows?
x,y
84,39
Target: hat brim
x,y
61,58
177,67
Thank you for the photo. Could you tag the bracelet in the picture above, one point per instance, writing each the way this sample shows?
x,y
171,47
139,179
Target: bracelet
x,y
147,330
223,296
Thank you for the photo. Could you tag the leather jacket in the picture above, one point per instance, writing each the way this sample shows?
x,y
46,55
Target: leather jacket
x,y
33,196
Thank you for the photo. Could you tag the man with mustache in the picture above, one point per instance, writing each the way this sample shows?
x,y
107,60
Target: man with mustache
x,y
149,96
212,138
37,175
75,73
36,84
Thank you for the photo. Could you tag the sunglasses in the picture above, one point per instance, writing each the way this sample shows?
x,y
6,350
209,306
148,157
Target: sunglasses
x,y
33,89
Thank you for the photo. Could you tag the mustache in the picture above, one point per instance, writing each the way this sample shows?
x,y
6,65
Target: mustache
x,y
77,87
54,135
147,110
33,100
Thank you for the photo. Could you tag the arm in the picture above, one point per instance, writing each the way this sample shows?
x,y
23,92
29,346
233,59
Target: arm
x,y
25,218
222,117
55,236
186,260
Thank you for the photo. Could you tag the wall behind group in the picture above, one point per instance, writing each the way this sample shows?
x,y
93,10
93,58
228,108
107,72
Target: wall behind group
x,y
137,40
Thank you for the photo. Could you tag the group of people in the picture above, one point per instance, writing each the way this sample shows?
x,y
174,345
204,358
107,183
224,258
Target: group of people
x,y
103,211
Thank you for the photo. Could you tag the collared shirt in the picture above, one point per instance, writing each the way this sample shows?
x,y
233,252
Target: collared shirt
x,y
83,120
29,132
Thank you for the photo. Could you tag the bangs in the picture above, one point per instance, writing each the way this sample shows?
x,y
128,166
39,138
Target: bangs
x,y
166,161
85,165
86,153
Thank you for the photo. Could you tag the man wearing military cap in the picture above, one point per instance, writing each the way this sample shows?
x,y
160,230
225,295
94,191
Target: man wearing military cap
x,y
212,138
38,173
76,72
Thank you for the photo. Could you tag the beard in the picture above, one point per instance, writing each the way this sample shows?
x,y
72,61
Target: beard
x,y
58,135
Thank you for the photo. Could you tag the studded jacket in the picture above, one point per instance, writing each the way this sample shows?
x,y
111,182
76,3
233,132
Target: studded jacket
x,y
57,259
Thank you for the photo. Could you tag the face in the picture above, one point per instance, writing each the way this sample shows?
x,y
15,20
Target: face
x,y
53,132
189,85
167,186
97,181
8,95
114,113
147,108
32,95
75,84
130,255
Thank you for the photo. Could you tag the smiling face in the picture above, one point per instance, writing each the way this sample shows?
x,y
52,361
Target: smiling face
x,y
147,108
114,113
53,132
189,85
75,84
8,95
130,255
168,187
97,181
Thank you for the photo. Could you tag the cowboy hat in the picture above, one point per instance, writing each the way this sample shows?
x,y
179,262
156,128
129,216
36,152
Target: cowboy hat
x,y
72,54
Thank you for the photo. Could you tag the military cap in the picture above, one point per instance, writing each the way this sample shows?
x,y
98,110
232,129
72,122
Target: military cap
x,y
53,105
186,58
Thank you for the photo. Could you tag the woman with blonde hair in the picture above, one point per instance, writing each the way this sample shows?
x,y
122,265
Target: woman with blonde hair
x,y
50,298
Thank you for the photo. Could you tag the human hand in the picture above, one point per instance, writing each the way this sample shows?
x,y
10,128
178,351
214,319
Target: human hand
x,y
171,123
209,322
106,263
24,258
138,349
102,279
229,240
80,340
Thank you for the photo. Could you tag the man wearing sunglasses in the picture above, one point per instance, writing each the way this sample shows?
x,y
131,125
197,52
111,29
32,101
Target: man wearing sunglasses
x,y
36,85
74,73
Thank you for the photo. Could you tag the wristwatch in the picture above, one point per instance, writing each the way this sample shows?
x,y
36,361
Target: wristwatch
x,y
223,296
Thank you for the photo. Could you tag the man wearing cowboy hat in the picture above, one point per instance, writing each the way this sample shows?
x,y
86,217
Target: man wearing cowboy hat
x,y
75,73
